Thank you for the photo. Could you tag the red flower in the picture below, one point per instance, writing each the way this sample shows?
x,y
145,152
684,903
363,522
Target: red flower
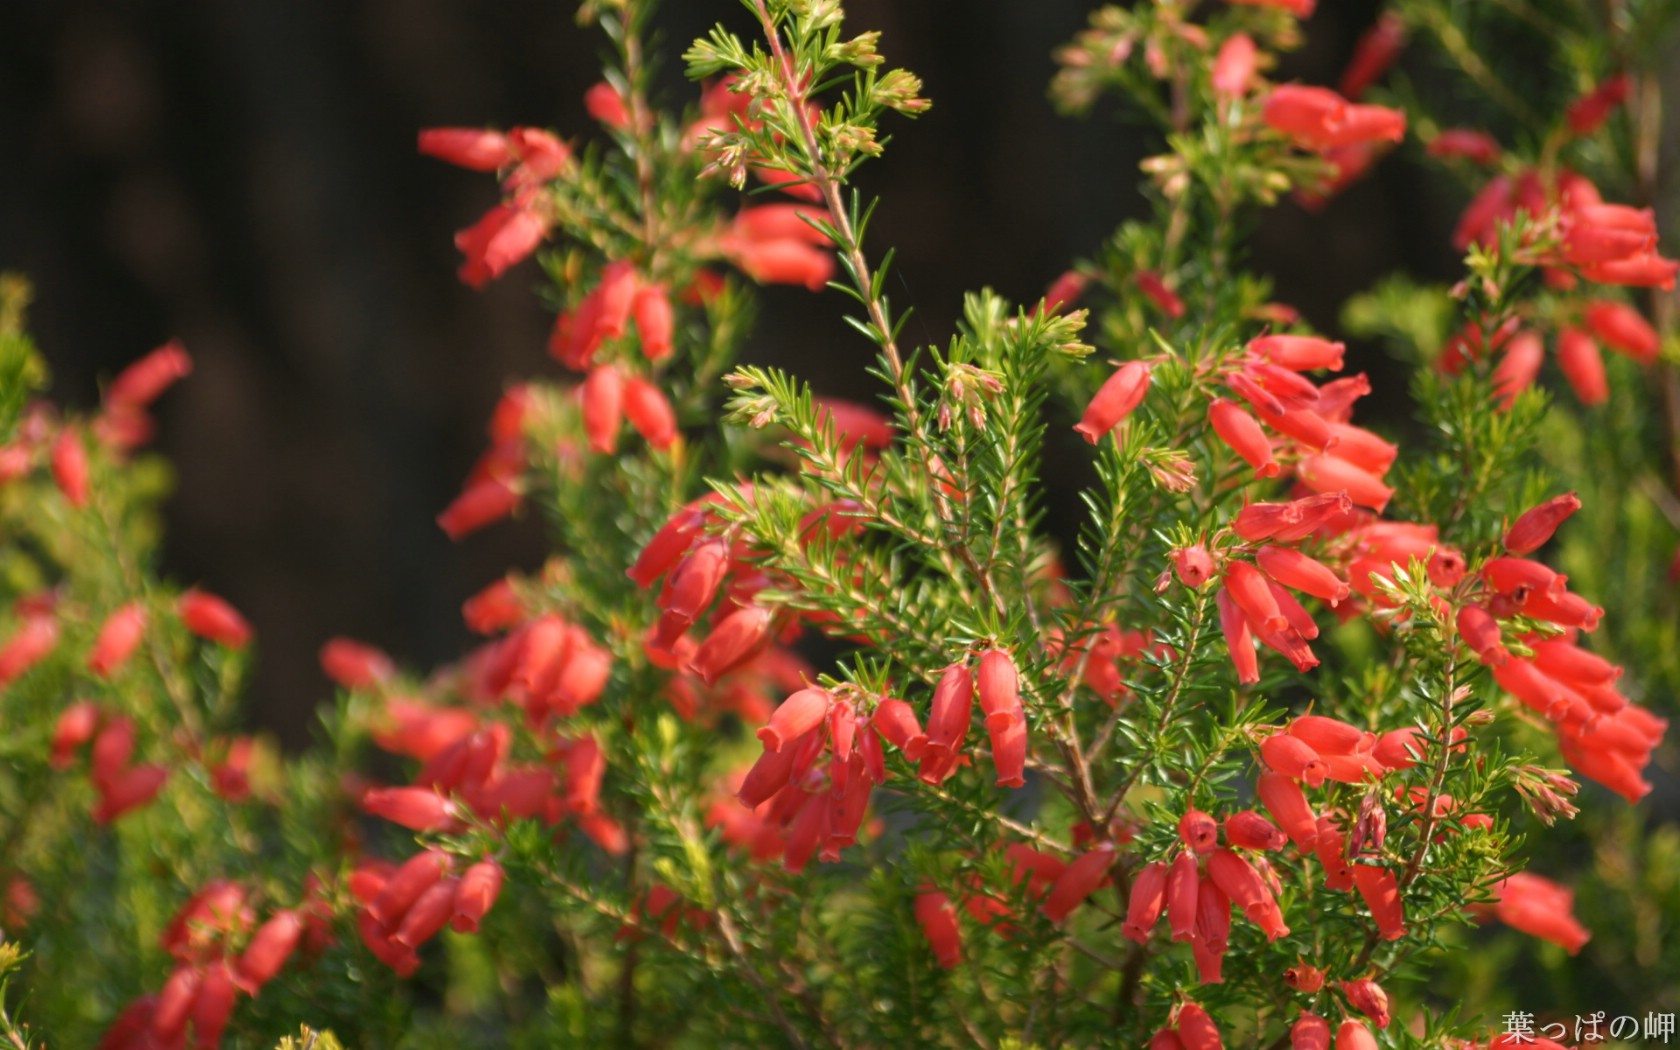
x,y
1249,830
1535,527
481,503
417,808
1624,330
1233,67
1381,891
476,149
502,238
938,920
649,412
212,618
1183,896
1309,1032
355,665
268,950
796,716
1587,113
1353,1035
606,105
1542,908
1376,50
602,394
1198,831
1239,430
138,385
1476,146
1196,1029
70,467
652,311
1119,395
1583,366
118,638
1368,997
1078,881
1143,907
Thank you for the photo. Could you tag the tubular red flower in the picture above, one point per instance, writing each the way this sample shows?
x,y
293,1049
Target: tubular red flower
x,y
355,665
1294,569
1303,113
1299,353
1294,758
783,260
1064,291
1247,588
1518,366
771,773
1193,564
70,467
1541,908
1368,997
1583,366
654,321
1239,640
606,105
1156,291
1376,50
141,383
75,727
1182,896
1009,751
938,920
1476,146
1284,800
1588,112
998,685
1623,329
1309,1032
1119,396
1143,907
602,397
1164,1039
1234,65
896,723
504,237
1197,1030
795,716
268,950
1239,430
1198,830
476,149
213,619
1381,891
1249,830
951,711
481,503
649,412
1078,881
419,809
128,790
427,915
737,637
416,875
1331,736
1327,474
1353,1035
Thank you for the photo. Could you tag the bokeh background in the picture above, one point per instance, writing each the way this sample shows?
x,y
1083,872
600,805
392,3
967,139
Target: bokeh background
x,y
242,174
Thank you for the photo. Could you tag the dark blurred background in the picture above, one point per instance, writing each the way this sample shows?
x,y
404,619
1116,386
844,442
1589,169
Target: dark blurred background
x,y
242,174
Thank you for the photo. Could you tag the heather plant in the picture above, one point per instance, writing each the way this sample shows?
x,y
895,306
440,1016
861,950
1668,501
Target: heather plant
x,y
812,731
